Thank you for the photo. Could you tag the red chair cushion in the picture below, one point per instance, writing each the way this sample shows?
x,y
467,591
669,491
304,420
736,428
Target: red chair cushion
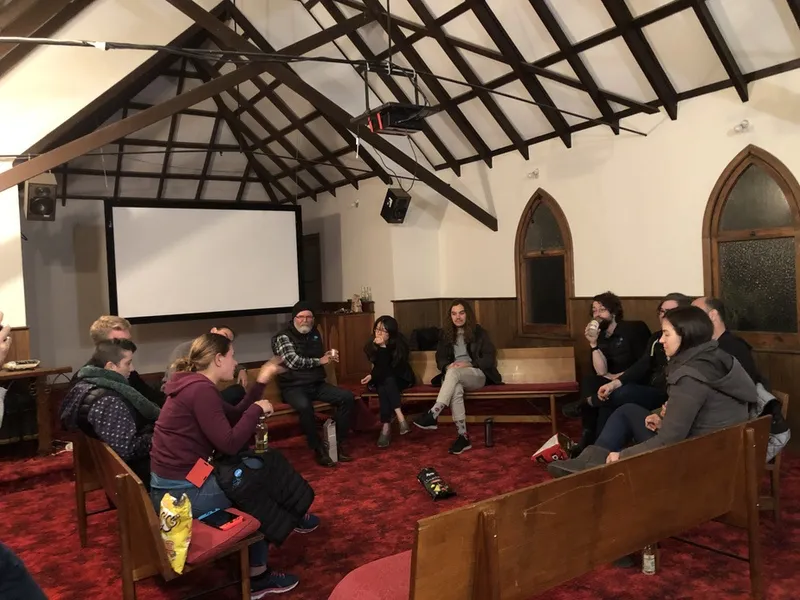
x,y
208,542
387,578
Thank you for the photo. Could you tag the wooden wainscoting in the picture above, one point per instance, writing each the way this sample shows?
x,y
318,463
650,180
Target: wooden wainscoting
x,y
20,344
498,315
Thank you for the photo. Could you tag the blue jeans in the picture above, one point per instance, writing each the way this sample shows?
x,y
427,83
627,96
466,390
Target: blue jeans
x,y
15,581
626,424
205,499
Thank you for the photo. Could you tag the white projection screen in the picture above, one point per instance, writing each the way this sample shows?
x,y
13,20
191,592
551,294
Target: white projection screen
x,y
172,261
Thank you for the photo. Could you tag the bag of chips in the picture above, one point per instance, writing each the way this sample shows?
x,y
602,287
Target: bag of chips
x,y
557,447
176,529
434,484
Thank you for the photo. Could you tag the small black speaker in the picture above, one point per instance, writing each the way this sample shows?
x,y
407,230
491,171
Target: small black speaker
x,y
40,198
395,205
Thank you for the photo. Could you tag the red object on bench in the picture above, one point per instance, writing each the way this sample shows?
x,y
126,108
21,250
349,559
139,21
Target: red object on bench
x,y
387,578
208,542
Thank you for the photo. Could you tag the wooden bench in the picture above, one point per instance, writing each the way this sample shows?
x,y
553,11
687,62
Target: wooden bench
x,y
142,548
273,393
528,374
524,543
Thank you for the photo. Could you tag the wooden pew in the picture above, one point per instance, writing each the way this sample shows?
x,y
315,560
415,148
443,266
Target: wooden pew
x,y
273,393
524,543
528,374
142,548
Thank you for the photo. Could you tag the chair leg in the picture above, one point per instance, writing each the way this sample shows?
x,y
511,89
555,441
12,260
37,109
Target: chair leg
x,y
553,414
244,565
775,485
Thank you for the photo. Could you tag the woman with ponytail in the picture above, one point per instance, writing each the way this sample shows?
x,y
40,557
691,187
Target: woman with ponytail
x,y
195,423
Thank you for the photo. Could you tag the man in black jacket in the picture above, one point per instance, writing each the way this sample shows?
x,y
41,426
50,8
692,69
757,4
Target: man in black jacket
x,y
304,356
467,360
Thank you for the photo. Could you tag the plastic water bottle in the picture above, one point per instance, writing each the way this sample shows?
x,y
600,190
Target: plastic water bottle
x,y
262,435
649,560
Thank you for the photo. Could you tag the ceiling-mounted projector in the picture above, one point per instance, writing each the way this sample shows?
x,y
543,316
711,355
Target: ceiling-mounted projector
x,y
395,118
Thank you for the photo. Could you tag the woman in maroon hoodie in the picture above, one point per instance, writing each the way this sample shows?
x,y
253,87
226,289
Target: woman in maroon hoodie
x,y
195,422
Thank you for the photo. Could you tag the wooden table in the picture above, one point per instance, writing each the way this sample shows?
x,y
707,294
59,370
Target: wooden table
x,y
44,413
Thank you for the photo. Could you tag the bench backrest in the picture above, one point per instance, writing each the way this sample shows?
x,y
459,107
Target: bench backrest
x,y
140,530
554,364
272,392
524,543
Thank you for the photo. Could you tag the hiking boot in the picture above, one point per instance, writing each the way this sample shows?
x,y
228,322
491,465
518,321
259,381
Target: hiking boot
x,y
342,454
322,458
309,523
426,421
384,439
404,427
461,444
271,582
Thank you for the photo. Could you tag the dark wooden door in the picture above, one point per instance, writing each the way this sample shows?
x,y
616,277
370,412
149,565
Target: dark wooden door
x,y
312,268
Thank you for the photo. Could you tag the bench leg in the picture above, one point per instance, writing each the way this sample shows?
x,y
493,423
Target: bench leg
x,y
553,414
244,566
775,488
80,509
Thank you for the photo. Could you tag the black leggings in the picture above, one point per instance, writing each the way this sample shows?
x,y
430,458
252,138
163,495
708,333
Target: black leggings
x,y
390,392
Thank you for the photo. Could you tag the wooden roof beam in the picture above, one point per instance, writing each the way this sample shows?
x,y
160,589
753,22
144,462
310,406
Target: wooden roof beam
x,y
335,113
721,48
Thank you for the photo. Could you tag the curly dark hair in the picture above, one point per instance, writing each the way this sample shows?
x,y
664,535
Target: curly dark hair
x,y
612,304
450,331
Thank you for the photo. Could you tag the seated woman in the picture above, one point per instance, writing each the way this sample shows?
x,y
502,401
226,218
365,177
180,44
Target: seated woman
x,y
195,423
391,374
707,388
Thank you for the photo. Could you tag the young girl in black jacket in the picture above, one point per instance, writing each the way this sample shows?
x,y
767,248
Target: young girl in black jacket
x,y
391,374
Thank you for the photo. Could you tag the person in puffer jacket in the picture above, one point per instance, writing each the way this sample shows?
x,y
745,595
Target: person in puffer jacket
x,y
196,423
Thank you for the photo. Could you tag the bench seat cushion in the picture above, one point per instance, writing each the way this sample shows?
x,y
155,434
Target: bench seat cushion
x,y
507,388
387,578
282,407
207,542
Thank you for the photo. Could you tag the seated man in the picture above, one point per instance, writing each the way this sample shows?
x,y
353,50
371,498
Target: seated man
x,y
5,347
304,356
467,360
232,394
111,327
615,346
103,405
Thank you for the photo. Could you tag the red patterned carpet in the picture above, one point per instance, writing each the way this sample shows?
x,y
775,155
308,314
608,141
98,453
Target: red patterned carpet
x,y
369,509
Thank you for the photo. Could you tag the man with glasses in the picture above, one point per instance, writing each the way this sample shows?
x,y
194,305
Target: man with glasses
x,y
304,356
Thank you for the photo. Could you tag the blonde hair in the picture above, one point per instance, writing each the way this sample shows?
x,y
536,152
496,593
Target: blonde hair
x,y
102,328
202,353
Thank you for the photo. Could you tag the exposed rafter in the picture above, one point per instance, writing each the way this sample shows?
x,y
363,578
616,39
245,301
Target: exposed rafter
x,y
721,48
289,78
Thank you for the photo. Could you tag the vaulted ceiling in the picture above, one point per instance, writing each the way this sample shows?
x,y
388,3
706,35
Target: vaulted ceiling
x,y
503,75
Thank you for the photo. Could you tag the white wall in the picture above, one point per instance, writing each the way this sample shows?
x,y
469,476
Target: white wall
x,y
66,290
634,204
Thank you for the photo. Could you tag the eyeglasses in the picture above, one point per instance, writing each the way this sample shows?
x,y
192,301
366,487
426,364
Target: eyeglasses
x,y
380,330
299,318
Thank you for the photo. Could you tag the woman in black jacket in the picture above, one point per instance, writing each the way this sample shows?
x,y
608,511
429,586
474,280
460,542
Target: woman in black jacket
x,y
391,374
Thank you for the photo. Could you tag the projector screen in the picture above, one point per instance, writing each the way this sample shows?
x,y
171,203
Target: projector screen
x,y
171,261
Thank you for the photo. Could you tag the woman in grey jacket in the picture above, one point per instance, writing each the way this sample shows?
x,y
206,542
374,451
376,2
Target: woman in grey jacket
x,y
708,390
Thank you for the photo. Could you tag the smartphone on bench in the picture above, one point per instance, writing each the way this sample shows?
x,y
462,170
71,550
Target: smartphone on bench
x,y
221,519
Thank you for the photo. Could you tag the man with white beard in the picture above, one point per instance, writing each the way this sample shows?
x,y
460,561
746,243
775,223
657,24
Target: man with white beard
x,y
304,356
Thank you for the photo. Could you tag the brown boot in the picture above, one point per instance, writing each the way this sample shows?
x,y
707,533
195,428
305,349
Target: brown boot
x,y
343,455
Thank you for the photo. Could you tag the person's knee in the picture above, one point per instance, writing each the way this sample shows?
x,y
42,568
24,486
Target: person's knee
x,y
300,402
451,375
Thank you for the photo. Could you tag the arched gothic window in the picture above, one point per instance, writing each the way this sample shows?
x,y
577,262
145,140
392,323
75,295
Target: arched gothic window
x,y
751,241
543,260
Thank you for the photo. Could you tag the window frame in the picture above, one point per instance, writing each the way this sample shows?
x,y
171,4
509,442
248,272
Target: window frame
x,y
712,236
526,329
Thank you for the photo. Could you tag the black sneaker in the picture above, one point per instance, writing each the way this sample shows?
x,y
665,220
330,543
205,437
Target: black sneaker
x,y
572,410
322,458
426,421
271,582
461,444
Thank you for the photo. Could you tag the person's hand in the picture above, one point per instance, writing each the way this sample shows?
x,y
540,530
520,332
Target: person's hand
x,y
325,359
591,333
5,339
664,410
612,457
269,369
265,406
366,379
605,390
612,376
457,365
652,422
242,379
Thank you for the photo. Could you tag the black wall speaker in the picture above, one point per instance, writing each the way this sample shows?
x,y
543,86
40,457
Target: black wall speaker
x,y
40,197
395,205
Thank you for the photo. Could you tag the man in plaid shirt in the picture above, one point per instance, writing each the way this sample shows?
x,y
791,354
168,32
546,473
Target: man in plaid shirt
x,y
304,356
